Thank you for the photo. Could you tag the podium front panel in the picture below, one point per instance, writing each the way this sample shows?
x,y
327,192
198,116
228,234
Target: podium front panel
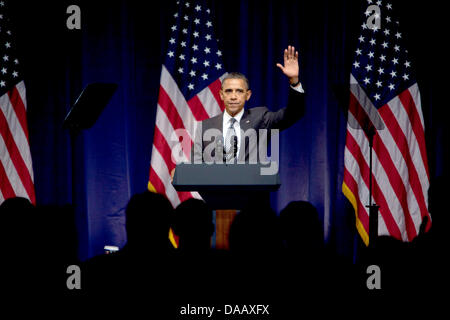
x,y
224,177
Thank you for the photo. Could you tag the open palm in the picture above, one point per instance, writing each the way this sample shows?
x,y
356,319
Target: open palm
x,y
290,68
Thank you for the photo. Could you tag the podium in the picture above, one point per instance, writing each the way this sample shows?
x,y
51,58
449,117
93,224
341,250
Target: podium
x,y
226,186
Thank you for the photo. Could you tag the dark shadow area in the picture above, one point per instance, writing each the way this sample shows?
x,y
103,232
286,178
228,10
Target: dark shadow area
x,y
274,260
143,267
256,250
39,243
198,274
410,269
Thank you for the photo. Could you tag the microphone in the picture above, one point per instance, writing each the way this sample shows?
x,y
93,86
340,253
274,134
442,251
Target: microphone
x,y
235,146
219,149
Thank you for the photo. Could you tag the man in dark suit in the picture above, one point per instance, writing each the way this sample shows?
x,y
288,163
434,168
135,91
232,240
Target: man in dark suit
x,y
236,131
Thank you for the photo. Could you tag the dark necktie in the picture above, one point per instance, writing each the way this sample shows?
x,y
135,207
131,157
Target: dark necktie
x,y
230,141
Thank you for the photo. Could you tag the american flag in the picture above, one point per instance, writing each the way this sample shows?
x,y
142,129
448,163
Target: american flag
x,y
383,88
16,171
188,93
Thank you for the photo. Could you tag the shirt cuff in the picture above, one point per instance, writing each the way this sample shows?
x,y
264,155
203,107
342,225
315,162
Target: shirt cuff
x,y
298,88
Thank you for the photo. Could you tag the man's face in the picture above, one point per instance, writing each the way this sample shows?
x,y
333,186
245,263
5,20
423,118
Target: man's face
x,y
234,94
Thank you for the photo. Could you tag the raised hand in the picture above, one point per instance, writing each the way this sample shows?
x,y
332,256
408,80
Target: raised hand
x,y
290,68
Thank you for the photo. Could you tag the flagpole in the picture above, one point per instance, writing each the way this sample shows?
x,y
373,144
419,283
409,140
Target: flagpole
x,y
373,208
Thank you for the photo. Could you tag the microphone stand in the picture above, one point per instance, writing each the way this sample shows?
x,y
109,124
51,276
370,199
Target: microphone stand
x,y
373,208
220,155
235,147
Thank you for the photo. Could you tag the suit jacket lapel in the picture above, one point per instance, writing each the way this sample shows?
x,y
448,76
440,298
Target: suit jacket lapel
x,y
245,124
218,123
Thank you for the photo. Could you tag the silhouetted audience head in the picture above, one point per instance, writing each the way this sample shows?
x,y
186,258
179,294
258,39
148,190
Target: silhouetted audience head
x,y
18,220
393,256
58,231
20,239
193,225
148,221
15,205
301,228
12,208
254,232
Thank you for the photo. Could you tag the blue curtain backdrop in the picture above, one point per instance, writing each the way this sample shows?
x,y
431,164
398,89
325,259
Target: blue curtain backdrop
x,y
125,42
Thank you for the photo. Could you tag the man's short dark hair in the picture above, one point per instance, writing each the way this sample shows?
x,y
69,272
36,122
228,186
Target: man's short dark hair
x,y
236,75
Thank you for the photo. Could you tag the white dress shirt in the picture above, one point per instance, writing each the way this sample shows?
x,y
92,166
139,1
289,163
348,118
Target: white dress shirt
x,y
237,126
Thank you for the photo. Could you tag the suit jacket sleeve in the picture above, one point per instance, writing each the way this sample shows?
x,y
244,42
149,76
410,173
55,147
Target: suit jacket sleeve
x,y
286,117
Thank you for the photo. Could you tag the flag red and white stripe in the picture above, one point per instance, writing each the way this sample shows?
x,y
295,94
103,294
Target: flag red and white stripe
x,y
400,170
174,112
16,170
